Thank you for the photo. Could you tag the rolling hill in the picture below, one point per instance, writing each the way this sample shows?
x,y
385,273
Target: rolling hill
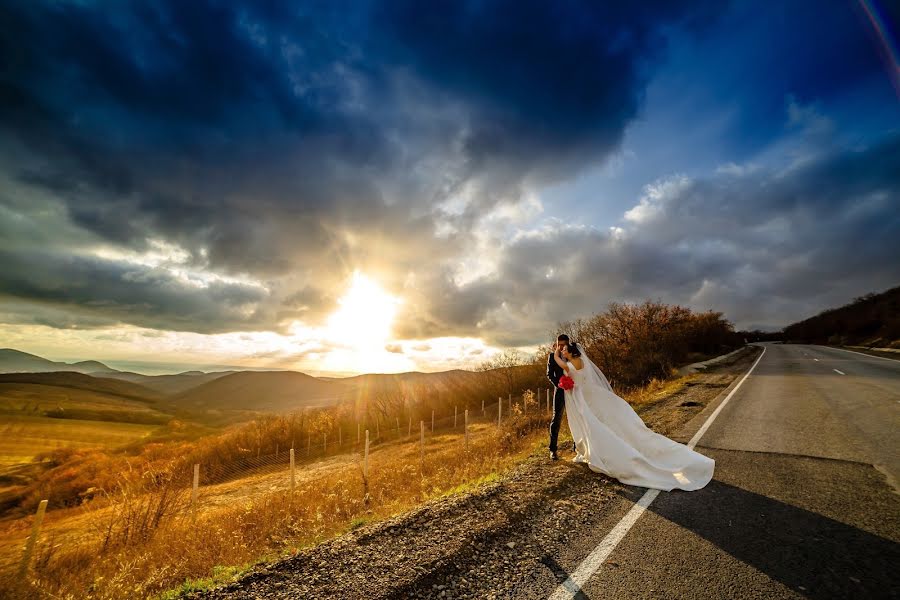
x,y
270,391
47,411
871,320
16,361
168,384
69,395
221,397
91,383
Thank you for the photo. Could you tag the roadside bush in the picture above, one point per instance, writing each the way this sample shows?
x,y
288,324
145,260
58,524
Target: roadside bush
x,y
636,343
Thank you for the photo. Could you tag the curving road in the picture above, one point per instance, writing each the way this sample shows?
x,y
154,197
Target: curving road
x,y
804,503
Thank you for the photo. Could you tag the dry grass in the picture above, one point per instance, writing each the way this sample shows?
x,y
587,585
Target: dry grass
x,y
151,544
23,437
655,390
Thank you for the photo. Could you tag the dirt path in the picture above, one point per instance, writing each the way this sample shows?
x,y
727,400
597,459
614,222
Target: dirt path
x,y
500,541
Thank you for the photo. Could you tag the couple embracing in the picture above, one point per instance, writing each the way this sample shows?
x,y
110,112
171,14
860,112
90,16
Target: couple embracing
x,y
609,437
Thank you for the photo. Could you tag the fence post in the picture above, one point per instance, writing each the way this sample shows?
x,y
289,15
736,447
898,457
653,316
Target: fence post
x,y
324,442
482,407
422,443
548,401
377,430
499,410
409,433
357,432
366,458
467,429
308,443
454,417
432,421
293,471
340,437
194,489
32,539
510,404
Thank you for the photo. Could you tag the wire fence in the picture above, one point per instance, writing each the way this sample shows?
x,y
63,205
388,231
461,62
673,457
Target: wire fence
x,y
313,448
198,481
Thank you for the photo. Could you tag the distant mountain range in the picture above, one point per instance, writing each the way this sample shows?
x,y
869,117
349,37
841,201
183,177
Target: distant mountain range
x,y
228,395
16,361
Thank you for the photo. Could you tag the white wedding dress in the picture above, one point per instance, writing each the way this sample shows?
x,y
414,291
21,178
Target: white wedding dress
x,y
612,439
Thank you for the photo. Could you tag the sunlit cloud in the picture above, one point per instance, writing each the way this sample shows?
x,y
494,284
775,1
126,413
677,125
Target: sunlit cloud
x,y
360,191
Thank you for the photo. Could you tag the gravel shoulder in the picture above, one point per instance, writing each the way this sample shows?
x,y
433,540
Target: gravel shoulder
x,y
504,539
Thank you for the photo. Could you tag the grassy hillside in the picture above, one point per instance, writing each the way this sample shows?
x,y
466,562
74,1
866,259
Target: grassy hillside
x,y
872,320
240,521
465,389
42,412
23,436
267,391
88,383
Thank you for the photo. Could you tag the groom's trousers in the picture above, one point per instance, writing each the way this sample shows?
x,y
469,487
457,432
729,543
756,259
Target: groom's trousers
x,y
559,404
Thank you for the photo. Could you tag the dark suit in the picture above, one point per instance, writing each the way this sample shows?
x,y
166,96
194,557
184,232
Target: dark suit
x,y
554,372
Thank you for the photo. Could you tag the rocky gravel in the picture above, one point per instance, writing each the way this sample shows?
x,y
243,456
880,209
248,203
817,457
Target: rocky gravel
x,y
501,540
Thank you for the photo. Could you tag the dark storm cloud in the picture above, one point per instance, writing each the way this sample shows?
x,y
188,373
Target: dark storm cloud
x,y
544,84
129,294
293,143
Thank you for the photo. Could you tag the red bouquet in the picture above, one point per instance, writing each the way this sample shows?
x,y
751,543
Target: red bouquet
x,y
566,382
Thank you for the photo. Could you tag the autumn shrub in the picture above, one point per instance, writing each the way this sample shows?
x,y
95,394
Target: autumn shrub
x,y
636,343
72,477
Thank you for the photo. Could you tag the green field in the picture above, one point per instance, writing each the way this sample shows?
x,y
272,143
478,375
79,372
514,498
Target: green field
x,y
23,437
39,416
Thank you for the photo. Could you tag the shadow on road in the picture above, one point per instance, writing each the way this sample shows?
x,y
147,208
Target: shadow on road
x,y
816,556
561,574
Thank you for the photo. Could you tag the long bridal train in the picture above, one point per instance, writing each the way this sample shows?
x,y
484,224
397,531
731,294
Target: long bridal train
x,y
612,439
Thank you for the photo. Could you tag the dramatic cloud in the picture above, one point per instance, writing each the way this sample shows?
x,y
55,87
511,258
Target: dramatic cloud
x,y
764,246
216,168
292,146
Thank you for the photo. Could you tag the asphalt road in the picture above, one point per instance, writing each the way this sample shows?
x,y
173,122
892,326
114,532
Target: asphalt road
x,y
804,503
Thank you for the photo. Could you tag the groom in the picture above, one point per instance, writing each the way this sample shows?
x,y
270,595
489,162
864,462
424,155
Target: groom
x,y
554,372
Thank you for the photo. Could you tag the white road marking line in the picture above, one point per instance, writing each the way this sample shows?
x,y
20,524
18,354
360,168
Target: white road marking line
x,y
841,372
589,566
719,408
862,354
571,586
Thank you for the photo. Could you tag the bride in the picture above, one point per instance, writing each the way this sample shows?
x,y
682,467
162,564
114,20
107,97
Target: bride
x,y
612,439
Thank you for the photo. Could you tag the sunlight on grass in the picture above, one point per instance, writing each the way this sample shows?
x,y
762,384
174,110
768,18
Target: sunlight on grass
x,y
182,555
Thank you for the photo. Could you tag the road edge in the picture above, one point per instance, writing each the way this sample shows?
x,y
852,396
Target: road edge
x,y
571,588
687,431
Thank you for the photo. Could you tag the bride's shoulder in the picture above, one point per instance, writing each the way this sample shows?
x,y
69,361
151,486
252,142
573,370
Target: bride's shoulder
x,y
577,363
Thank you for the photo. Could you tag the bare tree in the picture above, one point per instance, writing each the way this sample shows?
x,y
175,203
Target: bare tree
x,y
506,366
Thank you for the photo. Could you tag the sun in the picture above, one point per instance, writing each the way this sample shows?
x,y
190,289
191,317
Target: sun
x,y
364,317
